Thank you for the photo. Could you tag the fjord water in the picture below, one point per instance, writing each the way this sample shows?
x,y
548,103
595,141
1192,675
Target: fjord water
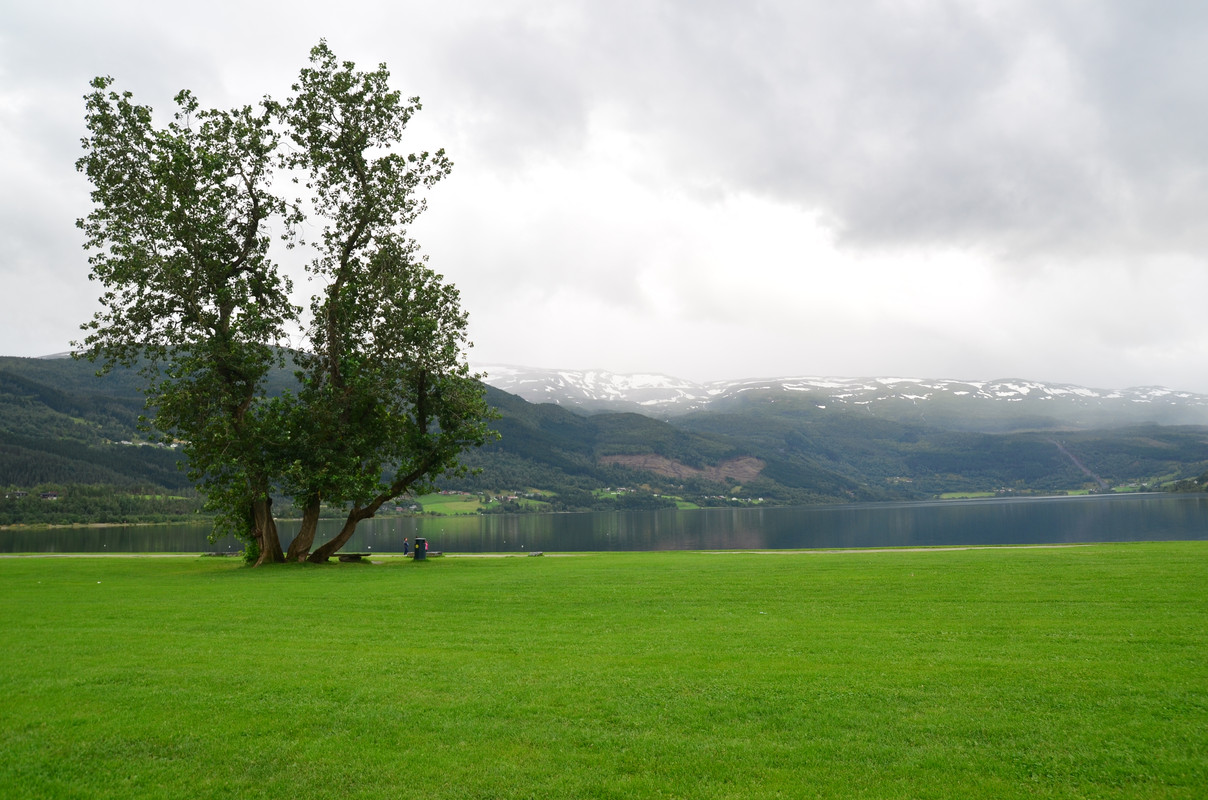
x,y
1054,520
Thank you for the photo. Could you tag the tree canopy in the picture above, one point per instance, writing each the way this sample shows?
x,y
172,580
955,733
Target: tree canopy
x,y
181,239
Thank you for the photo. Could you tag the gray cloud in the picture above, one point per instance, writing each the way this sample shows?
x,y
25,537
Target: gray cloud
x,y
656,170
1035,128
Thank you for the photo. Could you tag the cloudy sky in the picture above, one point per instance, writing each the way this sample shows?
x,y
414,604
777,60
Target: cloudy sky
x,y
712,189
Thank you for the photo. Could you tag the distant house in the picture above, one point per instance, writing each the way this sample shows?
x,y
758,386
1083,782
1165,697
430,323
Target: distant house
x,y
49,495
16,495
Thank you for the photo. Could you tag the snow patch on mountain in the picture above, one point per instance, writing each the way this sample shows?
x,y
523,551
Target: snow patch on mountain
x,y
664,395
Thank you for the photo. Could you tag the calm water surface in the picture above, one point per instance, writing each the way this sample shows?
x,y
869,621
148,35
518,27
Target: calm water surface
x,y
1106,518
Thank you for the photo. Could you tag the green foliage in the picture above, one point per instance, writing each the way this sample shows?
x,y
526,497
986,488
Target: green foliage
x,y
626,434
45,401
180,242
384,384
1197,484
28,462
74,504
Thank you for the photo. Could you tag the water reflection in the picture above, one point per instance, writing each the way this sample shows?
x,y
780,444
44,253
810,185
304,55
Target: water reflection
x,y
1019,521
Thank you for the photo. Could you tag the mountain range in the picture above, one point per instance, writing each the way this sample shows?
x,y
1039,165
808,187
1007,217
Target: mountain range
x,y
997,405
807,439
571,434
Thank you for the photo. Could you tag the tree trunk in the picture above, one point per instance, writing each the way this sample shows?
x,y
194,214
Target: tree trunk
x,y
299,549
357,514
329,548
266,532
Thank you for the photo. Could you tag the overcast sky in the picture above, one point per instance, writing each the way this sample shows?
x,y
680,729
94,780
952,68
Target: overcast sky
x,y
712,190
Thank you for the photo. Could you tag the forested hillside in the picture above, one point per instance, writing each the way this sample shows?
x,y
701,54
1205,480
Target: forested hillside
x,y
547,446
926,461
61,425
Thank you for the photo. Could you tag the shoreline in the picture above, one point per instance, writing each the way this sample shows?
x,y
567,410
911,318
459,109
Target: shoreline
x,y
761,552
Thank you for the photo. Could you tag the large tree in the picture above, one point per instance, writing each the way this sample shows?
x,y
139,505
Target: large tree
x,y
387,401
180,236
180,242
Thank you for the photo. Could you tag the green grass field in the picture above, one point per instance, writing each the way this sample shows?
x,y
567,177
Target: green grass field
x,y
1075,672
449,504
462,504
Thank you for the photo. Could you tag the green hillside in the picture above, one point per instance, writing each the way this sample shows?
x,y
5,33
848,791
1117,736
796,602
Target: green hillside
x,y
545,446
926,460
61,425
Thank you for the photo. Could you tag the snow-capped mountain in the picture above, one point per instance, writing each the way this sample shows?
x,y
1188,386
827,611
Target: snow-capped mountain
x,y
597,389
983,404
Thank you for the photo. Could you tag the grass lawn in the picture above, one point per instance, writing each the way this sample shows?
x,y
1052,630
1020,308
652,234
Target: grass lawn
x,y
1075,672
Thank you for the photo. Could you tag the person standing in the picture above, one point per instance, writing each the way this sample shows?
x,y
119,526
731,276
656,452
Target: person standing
x,y
406,545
